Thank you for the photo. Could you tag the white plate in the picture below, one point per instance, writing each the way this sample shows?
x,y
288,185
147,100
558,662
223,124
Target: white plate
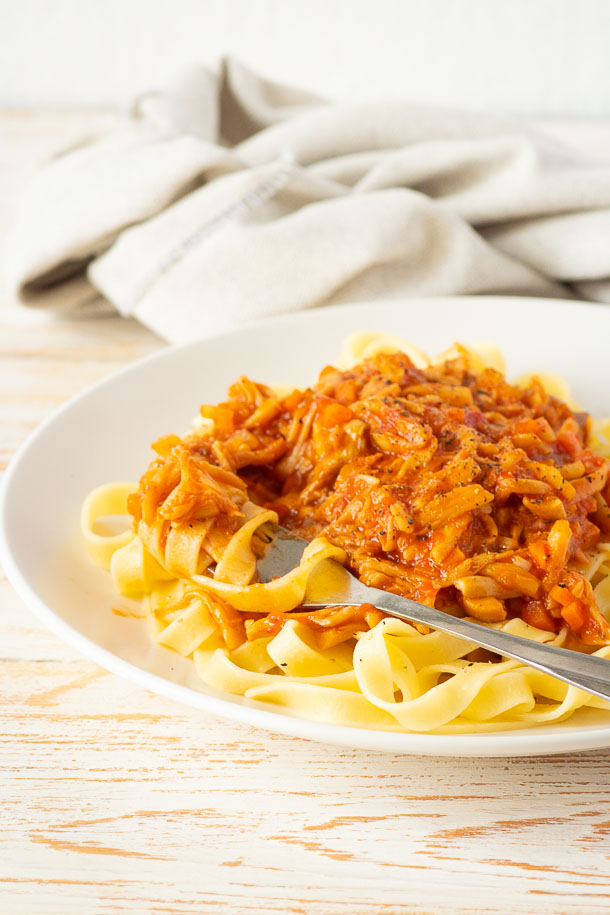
x,y
104,434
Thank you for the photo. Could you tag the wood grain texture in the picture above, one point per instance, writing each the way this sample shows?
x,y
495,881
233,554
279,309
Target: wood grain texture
x,y
115,800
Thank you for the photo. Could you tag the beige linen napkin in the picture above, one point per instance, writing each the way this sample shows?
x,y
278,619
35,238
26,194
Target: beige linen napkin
x,y
230,198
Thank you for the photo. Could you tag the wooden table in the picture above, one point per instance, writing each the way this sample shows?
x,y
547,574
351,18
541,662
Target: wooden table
x,y
115,800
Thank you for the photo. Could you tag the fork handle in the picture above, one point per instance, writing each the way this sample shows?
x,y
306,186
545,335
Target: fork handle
x,y
587,672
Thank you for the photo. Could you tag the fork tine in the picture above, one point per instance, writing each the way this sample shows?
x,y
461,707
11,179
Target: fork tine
x,y
282,555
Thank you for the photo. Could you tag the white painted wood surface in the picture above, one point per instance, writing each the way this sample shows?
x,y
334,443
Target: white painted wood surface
x,y
114,800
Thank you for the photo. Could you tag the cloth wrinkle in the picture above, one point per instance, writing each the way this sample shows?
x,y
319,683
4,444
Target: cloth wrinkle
x,y
227,197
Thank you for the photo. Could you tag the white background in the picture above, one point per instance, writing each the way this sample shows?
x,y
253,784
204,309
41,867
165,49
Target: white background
x,y
549,57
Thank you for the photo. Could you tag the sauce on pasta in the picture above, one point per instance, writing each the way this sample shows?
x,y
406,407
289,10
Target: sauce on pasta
x,y
448,486
437,480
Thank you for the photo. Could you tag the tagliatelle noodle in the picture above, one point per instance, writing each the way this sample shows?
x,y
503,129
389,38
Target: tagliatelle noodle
x,y
105,501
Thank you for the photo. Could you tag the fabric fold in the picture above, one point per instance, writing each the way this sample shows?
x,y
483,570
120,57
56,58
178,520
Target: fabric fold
x,y
227,197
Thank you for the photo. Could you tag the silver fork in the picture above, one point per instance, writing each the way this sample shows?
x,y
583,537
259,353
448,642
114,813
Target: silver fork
x,y
342,589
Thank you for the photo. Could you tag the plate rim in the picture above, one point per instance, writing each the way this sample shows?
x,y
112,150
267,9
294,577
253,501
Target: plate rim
x,y
489,744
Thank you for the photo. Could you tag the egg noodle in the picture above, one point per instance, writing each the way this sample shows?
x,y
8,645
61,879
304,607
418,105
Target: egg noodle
x,y
431,478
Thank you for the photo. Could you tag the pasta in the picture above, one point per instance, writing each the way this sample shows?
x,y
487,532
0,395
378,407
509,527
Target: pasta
x,y
431,478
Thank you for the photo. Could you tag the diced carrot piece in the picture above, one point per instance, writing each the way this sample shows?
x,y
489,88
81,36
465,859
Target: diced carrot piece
x,y
575,615
293,400
539,427
347,392
164,445
535,614
222,416
562,595
335,414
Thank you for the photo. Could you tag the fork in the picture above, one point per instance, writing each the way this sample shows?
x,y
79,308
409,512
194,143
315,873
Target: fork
x,y
341,588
